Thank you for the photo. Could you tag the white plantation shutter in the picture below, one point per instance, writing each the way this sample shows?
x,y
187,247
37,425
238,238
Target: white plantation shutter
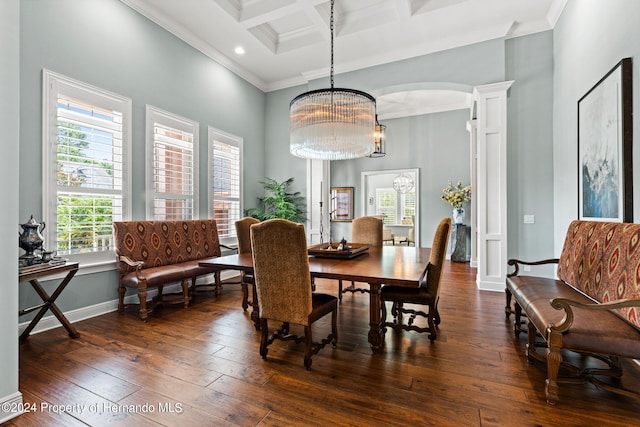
x,y
85,166
225,183
386,204
172,150
408,207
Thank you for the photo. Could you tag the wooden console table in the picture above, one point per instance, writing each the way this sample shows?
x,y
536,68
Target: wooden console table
x,y
31,274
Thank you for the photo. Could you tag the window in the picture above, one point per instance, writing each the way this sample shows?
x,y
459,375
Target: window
x,y
395,207
86,184
172,151
225,182
408,205
386,204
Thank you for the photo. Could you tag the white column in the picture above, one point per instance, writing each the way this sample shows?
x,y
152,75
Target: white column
x,y
491,188
318,186
472,128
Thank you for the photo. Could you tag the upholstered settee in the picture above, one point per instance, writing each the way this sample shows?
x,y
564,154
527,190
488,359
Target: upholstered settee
x,y
152,254
592,308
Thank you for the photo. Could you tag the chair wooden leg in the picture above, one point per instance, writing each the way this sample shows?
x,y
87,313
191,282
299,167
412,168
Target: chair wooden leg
x,y
507,307
160,294
436,313
383,314
334,328
430,321
264,339
185,292
245,294
308,349
517,328
121,292
192,290
142,297
255,309
399,313
554,359
218,281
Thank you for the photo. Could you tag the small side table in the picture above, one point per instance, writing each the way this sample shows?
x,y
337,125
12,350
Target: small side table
x,y
31,274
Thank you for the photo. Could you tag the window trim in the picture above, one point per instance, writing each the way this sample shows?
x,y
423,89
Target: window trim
x,y
52,84
156,115
214,134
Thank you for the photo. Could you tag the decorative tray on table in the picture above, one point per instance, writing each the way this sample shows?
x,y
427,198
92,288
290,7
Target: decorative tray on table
x,y
324,250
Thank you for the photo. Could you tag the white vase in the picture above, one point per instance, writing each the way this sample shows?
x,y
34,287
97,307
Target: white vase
x,y
458,216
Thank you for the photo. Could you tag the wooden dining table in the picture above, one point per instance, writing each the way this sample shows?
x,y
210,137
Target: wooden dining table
x,y
386,265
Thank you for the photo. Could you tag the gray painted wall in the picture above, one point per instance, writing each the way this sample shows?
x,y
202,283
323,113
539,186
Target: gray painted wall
x,y
109,45
418,141
530,148
437,144
552,70
9,118
590,38
476,64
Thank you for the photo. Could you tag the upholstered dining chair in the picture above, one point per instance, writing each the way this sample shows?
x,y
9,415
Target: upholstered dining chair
x,y
364,229
411,235
283,284
387,236
426,294
243,234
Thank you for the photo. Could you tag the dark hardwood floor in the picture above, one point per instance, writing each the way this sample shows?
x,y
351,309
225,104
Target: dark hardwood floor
x,y
200,367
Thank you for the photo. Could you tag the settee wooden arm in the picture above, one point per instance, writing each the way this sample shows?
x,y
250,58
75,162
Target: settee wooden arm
x,y
566,304
131,264
516,262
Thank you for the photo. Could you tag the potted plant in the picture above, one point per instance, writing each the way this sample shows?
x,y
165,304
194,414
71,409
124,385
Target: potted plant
x,y
456,196
279,203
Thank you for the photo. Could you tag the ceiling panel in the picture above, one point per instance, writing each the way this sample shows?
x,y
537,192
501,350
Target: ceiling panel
x,y
287,41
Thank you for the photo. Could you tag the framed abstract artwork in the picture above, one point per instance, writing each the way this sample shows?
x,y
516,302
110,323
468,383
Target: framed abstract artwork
x,y
605,138
341,203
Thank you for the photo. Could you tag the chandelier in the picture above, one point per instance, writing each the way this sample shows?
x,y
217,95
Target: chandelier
x,y
332,123
403,183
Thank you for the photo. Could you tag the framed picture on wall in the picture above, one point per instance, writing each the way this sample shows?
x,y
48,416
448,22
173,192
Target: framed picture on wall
x,y
341,204
605,137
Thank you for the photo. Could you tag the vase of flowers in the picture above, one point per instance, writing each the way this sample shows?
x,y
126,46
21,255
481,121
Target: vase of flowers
x,y
456,196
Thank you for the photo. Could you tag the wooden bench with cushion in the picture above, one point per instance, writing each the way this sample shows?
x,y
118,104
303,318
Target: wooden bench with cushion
x,y
592,308
152,254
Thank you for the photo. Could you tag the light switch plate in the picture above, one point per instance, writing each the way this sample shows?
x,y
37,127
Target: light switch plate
x,y
529,219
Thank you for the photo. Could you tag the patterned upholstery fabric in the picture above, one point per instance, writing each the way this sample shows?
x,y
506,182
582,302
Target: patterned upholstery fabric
x,y
602,259
158,243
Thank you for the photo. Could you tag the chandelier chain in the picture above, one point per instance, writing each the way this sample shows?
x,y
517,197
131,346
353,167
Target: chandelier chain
x,y
331,27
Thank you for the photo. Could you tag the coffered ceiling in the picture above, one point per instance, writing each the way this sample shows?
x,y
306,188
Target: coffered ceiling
x,y
287,42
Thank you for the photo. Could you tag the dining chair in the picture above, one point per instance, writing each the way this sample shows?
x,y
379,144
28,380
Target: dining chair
x,y
243,234
283,284
364,229
426,294
387,236
411,235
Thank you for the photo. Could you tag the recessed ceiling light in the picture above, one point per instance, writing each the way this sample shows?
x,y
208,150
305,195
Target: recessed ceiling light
x,y
239,50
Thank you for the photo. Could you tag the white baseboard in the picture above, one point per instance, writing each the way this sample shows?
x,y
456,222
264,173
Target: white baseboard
x,y
51,322
11,406
490,286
